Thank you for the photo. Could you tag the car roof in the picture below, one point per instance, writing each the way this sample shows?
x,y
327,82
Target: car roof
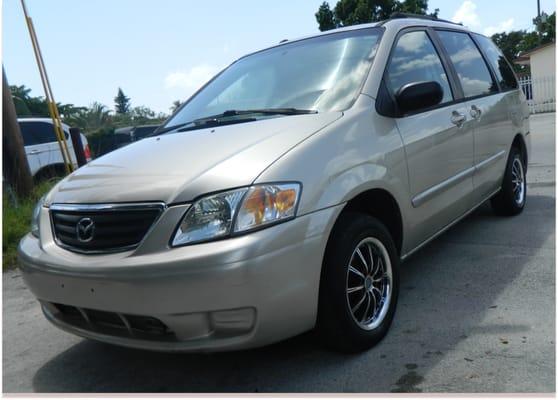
x,y
397,22
41,119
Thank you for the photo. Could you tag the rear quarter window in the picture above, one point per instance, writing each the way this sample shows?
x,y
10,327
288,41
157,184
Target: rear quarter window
x,y
497,60
474,75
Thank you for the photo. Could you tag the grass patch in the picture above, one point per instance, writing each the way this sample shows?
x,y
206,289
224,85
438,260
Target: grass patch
x,y
16,220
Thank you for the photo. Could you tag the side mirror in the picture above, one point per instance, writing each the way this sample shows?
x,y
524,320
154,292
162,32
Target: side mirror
x,y
416,95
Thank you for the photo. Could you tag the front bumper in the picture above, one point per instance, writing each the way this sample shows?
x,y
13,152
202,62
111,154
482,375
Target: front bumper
x,y
241,292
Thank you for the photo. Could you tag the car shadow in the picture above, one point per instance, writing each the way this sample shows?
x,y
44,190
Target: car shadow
x,y
448,289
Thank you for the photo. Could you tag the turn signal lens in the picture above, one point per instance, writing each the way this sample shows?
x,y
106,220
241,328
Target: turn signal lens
x,y
35,216
267,204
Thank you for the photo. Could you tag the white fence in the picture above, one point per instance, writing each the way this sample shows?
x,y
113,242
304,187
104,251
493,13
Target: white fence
x,y
540,93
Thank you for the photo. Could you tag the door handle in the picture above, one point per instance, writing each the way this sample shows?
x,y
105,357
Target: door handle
x,y
458,119
34,152
475,112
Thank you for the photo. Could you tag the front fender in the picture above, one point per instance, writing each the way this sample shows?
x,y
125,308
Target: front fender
x,y
360,151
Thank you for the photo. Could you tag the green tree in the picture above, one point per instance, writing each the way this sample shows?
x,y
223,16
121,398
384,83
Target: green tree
x,y
325,18
352,12
31,106
175,105
546,27
516,42
91,119
416,7
21,95
509,43
121,102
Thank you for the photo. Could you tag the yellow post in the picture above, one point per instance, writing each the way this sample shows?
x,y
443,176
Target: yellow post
x,y
52,108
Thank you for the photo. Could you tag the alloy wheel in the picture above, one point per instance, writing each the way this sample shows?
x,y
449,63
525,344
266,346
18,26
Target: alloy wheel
x,y
369,283
518,181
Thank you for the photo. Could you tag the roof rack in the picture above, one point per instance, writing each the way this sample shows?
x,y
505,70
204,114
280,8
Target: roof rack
x,y
399,15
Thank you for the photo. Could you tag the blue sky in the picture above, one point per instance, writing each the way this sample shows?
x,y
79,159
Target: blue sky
x,y
161,51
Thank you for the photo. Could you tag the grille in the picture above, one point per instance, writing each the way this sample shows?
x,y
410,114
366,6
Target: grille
x,y
102,228
116,324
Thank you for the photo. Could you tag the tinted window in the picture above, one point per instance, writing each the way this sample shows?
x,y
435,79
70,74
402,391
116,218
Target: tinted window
x,y
37,133
473,72
500,65
415,59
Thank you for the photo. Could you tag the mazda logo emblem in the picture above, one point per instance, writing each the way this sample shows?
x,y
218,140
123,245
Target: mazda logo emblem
x,y
85,230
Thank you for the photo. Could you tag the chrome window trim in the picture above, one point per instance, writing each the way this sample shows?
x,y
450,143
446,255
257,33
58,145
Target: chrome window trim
x,y
112,207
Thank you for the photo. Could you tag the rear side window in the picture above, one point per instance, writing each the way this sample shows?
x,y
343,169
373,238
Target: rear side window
x,y
473,72
415,59
500,65
37,133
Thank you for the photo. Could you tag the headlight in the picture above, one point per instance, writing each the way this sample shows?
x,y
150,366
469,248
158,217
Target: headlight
x,y
35,217
237,211
209,218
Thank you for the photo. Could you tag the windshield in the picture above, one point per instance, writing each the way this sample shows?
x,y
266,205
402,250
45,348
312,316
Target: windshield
x,y
324,73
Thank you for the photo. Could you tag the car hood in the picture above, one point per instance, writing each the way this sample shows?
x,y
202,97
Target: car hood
x,y
180,166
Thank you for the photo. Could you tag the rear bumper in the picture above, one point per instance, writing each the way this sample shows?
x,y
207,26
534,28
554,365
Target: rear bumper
x,y
237,293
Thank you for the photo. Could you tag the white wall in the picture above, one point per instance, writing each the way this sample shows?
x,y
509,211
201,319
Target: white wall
x,y
543,73
543,62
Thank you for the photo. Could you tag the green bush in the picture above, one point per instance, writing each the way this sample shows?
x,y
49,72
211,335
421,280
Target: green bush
x,y
16,220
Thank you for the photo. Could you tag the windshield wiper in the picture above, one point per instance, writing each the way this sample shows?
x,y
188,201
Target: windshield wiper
x,y
265,111
224,118
169,128
209,123
218,119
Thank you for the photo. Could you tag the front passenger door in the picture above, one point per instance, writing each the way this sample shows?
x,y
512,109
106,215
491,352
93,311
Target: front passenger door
x,y
438,141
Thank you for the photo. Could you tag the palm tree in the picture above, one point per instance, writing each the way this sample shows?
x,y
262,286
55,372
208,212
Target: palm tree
x,y
175,105
96,116
20,94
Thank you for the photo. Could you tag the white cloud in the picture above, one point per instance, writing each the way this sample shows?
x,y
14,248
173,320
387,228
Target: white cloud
x,y
467,14
503,26
192,79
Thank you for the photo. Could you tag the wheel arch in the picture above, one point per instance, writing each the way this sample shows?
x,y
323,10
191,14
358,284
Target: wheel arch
x,y
519,143
381,204
49,171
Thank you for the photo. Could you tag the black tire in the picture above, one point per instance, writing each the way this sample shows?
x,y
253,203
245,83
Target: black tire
x,y
54,172
337,326
512,196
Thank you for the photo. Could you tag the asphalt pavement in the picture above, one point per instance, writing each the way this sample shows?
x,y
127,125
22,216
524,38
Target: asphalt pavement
x,y
476,314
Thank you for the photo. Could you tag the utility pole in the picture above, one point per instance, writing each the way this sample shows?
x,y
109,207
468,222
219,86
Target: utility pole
x,y
52,108
14,161
539,9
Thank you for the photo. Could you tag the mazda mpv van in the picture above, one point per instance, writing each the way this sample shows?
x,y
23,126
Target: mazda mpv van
x,y
284,194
